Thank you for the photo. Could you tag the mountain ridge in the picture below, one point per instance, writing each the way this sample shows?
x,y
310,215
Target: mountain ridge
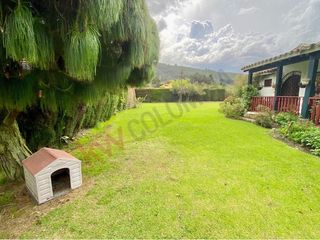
x,y
166,72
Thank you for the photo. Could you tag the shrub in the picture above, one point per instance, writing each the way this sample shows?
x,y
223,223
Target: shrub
x,y
264,117
232,107
285,118
246,94
139,101
304,133
166,95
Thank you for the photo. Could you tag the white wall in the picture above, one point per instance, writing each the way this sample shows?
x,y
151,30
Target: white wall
x,y
299,67
31,183
267,92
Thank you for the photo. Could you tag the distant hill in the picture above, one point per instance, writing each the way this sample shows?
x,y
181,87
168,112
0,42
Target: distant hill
x,y
167,72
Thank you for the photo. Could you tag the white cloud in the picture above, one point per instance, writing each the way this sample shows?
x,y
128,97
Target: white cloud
x,y
240,35
303,22
244,11
223,49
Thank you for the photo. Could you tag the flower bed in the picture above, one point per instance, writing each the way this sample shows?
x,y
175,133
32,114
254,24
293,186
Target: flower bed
x,y
299,131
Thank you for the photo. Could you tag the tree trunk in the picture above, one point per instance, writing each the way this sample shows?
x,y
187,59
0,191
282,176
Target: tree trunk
x,y
13,148
131,98
74,123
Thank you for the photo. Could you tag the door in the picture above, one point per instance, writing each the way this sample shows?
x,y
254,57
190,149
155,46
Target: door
x,y
291,86
60,180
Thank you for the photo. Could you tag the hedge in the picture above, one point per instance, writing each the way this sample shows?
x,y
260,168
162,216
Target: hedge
x,y
166,95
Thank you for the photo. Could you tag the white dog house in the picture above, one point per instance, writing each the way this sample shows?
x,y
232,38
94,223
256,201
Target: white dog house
x,y
50,173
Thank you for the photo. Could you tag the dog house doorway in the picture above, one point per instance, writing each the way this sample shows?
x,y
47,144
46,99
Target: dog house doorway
x,y
60,180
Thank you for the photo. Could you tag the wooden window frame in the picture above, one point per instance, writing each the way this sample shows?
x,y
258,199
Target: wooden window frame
x,y
269,81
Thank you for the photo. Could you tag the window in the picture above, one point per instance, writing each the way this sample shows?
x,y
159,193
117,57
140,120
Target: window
x,y
268,83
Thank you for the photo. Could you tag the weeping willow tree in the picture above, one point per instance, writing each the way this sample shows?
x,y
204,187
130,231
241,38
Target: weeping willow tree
x,y
59,55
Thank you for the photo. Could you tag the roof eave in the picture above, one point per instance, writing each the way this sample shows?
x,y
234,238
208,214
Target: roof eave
x,y
314,48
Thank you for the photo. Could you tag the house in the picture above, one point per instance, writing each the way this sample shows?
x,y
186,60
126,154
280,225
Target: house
x,y
289,81
50,173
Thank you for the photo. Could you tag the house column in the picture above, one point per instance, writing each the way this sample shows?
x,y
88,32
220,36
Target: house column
x,y
311,87
250,78
278,86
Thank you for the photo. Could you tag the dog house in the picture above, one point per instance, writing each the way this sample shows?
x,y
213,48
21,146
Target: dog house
x,y
50,173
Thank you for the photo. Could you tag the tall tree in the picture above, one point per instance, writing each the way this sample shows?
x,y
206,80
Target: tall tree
x,y
59,55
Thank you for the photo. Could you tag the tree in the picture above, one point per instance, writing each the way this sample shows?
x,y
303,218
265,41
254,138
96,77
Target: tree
x,y
196,89
238,85
184,88
181,87
61,55
156,82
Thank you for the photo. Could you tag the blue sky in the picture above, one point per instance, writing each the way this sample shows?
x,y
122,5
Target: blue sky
x,y
228,34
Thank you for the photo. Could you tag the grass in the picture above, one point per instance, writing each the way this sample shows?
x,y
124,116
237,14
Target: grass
x,y
195,176
5,198
3,179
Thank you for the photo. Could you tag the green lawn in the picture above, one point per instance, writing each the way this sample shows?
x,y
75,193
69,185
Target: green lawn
x,y
198,175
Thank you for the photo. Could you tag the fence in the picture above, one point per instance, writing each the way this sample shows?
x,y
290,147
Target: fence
x,y
284,103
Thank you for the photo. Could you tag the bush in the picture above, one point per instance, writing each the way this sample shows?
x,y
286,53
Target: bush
x,y
285,118
166,95
232,107
246,94
304,133
264,117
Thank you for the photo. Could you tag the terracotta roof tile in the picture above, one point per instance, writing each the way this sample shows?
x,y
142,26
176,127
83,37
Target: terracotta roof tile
x,y
44,157
299,50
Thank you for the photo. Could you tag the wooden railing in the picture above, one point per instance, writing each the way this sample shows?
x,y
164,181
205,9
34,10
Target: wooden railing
x,y
314,100
264,101
284,103
314,103
289,104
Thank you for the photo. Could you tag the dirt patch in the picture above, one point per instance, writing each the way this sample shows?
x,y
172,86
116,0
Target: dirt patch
x,y
23,212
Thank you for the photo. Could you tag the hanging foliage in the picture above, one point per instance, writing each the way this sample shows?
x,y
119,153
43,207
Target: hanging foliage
x,y
104,13
45,48
19,39
82,54
1,17
92,59
140,76
68,61
17,94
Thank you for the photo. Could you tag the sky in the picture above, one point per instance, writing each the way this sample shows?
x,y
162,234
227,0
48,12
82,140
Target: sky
x,y
226,35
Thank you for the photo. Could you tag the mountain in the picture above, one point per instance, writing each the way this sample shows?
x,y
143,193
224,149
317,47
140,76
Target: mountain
x,y
167,72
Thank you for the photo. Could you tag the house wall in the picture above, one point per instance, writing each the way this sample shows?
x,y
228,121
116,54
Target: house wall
x,y
300,67
266,91
43,178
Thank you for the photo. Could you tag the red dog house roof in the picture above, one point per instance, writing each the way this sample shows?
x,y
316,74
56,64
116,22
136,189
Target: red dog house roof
x,y
45,156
